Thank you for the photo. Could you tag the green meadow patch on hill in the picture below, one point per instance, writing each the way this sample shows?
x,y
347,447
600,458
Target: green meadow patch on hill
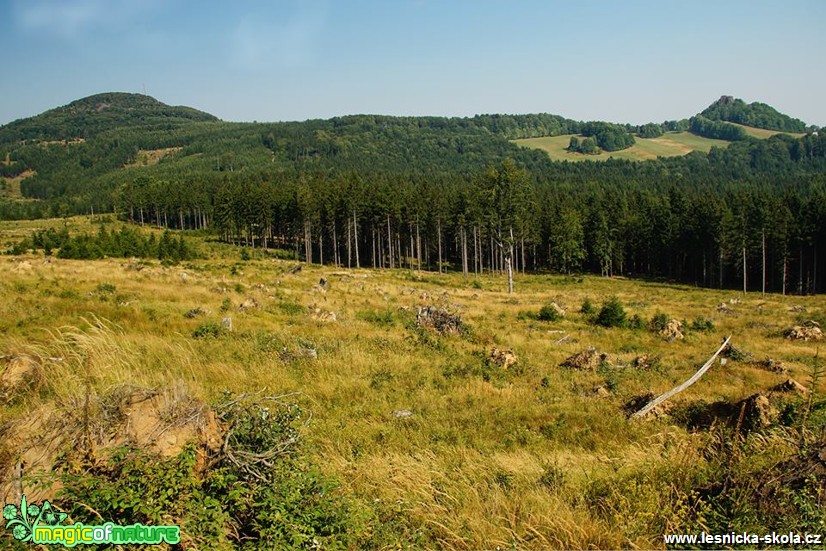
x,y
671,144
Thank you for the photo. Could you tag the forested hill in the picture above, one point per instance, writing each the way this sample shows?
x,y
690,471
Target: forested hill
x,y
93,115
756,115
375,186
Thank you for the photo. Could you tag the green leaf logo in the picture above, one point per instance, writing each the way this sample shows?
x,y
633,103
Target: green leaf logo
x,y
24,519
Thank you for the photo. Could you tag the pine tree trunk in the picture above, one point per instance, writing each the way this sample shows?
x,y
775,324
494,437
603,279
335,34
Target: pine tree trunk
x,y
764,262
373,248
508,265
814,270
308,247
744,270
418,246
475,254
439,232
335,246
464,252
389,242
412,248
349,250
356,238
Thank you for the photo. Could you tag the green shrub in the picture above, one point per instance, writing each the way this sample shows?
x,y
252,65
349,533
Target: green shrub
x,y
703,325
658,322
207,330
105,288
587,307
549,313
291,308
636,322
385,318
260,491
612,314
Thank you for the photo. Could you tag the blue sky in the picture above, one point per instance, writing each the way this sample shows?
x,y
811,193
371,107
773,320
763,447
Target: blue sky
x,y
623,61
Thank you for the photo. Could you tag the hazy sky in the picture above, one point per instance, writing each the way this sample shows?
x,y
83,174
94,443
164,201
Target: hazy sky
x,y
622,61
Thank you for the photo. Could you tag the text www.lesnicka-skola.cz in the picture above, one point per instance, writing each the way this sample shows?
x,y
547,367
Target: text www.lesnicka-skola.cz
x,y
744,538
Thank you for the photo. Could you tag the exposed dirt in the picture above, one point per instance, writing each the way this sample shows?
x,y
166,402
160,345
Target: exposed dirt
x,y
161,422
150,157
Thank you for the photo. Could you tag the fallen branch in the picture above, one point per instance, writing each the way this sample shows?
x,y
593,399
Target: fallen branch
x,y
663,397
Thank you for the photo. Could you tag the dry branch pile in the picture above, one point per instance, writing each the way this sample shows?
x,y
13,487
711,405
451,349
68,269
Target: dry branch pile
x,y
586,359
502,357
792,386
672,331
809,330
439,319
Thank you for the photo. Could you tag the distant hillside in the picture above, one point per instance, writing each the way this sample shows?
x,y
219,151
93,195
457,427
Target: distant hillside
x,y
89,117
757,115
85,154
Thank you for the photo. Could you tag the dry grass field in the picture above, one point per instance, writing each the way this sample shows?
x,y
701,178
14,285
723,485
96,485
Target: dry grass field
x,y
474,455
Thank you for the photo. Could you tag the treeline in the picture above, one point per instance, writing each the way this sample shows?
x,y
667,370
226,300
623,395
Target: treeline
x,y
683,219
716,129
758,115
610,137
126,243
